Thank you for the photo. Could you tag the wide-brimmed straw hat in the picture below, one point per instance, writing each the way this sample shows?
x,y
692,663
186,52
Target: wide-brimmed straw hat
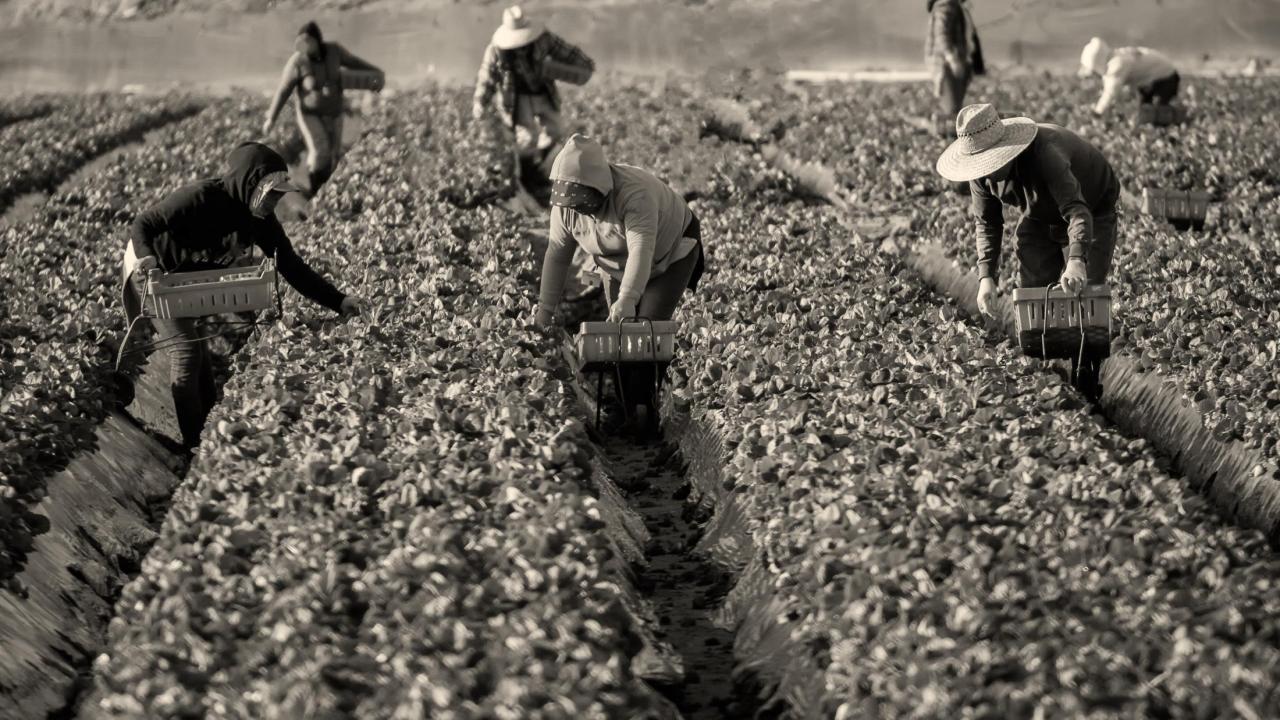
x,y
984,143
516,30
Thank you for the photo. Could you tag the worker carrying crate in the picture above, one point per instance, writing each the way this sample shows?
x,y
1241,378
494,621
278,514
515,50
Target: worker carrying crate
x,y
1067,192
642,239
317,73
178,266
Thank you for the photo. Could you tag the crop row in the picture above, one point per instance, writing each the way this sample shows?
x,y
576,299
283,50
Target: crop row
x,y
42,153
63,324
949,531
24,107
1202,308
390,516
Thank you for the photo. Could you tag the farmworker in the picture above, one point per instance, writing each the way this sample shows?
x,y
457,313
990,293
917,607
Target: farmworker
x,y
1066,189
639,234
314,71
515,67
953,51
213,223
1149,72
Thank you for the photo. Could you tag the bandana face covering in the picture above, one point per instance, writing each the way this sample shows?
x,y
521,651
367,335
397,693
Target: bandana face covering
x,y
575,196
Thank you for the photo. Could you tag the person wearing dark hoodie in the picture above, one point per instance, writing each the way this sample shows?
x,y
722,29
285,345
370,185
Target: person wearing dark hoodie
x,y
207,224
314,71
639,234
953,51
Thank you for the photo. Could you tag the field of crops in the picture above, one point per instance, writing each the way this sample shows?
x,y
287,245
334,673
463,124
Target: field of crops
x,y
407,514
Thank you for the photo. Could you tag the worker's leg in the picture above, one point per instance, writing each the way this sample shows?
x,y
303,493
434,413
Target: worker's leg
x,y
190,375
1040,261
662,295
953,89
527,128
1164,90
314,136
551,131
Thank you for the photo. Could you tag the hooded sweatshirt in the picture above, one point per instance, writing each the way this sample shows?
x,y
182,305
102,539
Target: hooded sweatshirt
x,y
1126,66
208,224
635,236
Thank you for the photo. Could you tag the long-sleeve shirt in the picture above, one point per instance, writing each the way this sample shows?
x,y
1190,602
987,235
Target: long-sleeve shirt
x,y
1060,179
1135,67
201,225
950,34
508,71
636,236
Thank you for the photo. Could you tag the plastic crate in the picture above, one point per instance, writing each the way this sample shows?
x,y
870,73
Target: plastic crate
x,y
363,79
1161,115
210,292
631,341
1182,207
565,72
1049,321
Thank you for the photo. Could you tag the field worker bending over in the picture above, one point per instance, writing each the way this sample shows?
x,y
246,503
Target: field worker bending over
x,y
953,51
1149,72
514,68
314,71
1065,188
209,224
644,241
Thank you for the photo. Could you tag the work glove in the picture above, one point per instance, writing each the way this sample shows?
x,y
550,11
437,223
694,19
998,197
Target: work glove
x,y
619,311
351,305
1075,276
544,318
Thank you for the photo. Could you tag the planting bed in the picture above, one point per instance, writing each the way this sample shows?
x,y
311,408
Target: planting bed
x,y
41,153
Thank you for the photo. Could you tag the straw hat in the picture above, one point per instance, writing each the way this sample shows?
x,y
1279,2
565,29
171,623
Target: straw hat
x,y
984,143
1094,57
516,30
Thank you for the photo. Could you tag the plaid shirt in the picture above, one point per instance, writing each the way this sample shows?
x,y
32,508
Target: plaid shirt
x,y
499,71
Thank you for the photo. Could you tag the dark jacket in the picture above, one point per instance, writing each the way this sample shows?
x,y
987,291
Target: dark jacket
x,y
1059,179
208,224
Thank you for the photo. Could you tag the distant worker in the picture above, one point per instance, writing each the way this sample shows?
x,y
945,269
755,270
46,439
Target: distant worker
x,y
640,235
315,72
1149,72
953,51
207,224
1065,188
521,65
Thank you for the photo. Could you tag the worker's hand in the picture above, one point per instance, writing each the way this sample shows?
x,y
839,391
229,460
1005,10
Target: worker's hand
x,y
1075,276
544,318
958,70
477,111
146,264
619,312
351,305
987,297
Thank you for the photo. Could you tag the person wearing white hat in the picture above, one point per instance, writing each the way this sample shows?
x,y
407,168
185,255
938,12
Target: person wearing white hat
x,y
212,223
953,51
1149,72
515,68
1066,189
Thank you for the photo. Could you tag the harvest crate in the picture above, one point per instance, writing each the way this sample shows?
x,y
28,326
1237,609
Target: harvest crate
x,y
210,292
1161,115
572,74
600,343
1182,208
1052,321
363,79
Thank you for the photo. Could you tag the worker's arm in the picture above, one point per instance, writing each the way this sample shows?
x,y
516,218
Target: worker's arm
x,y
555,263
348,60
1064,188
288,83
1116,77
988,214
567,52
487,79
176,209
301,276
640,221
